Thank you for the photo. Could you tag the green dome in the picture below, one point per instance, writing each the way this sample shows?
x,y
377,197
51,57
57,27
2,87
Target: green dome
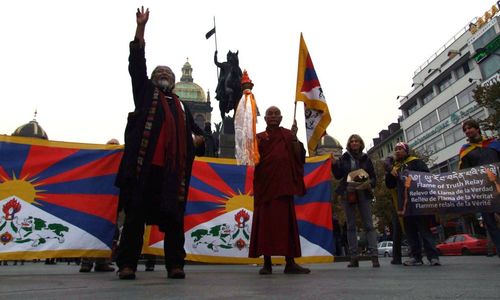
x,y
186,89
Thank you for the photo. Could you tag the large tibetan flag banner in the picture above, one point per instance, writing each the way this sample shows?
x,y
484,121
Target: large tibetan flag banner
x,y
309,91
57,199
219,213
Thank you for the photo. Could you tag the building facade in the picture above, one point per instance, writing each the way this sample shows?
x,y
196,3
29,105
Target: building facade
x,y
194,97
383,145
442,94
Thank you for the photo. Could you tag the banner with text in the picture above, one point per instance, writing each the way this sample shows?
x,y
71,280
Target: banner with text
x,y
465,191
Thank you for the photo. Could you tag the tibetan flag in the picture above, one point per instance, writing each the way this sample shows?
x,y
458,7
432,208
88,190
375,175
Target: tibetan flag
x,y
57,199
218,218
317,115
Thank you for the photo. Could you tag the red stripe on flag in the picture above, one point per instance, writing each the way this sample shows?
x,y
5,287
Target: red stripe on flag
x,y
206,174
196,219
249,181
40,158
155,235
103,206
104,166
3,174
317,213
319,175
201,196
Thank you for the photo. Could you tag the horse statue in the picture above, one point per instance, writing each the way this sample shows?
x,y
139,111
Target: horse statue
x,y
228,90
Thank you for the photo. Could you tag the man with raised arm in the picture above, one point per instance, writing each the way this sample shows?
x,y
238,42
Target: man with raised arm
x,y
156,165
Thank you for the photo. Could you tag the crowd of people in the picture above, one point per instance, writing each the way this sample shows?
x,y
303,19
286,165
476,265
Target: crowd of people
x,y
161,140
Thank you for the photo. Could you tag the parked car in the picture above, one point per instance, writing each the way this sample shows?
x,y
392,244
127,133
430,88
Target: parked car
x,y
384,248
464,244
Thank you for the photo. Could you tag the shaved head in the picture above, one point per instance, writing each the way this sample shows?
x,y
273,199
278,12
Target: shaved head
x,y
273,116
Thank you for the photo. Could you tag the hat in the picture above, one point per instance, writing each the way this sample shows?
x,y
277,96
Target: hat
x,y
404,146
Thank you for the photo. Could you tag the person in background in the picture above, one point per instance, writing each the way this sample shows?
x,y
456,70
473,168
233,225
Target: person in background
x,y
356,194
476,152
278,176
416,227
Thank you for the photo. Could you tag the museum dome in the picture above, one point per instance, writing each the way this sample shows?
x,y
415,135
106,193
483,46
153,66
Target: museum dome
x,y
186,89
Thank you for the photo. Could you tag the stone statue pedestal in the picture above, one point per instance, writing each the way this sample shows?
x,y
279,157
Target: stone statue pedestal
x,y
226,139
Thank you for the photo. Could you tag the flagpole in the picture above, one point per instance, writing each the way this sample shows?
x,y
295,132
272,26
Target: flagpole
x,y
215,33
295,111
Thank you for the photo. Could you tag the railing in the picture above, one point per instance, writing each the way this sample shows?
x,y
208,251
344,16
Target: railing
x,y
446,45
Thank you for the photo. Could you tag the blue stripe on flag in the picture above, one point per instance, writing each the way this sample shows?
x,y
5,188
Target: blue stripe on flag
x,y
98,227
318,193
320,236
232,175
198,207
309,167
80,158
99,185
13,157
200,185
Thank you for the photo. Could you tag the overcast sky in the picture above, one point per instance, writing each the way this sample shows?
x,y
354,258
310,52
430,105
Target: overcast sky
x,y
68,59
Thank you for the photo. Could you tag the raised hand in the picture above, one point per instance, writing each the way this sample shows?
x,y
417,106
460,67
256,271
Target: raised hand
x,y
294,127
142,16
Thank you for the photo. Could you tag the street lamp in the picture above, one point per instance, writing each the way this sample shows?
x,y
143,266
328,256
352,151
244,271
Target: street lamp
x,y
402,97
474,79
432,70
417,84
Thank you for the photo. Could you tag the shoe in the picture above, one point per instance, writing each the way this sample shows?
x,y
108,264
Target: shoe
x,y
375,262
413,262
296,269
396,262
103,268
354,263
435,262
265,271
126,273
150,268
176,273
85,268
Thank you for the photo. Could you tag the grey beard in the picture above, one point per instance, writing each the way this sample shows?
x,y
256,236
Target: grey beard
x,y
165,85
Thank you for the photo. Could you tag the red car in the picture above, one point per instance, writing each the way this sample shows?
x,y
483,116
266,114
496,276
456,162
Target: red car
x,y
464,244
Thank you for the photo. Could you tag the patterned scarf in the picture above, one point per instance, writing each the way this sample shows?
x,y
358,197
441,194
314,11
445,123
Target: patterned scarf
x,y
483,143
175,135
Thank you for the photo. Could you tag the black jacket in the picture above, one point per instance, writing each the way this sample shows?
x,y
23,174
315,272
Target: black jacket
x,y
342,168
142,88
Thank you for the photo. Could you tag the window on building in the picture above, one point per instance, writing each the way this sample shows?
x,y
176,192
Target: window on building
x,y
483,40
420,150
453,163
429,120
453,135
428,96
412,108
466,96
462,70
435,144
447,108
446,82
413,131
490,65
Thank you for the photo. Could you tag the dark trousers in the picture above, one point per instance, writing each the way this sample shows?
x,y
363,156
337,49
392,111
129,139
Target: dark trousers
x,y
136,214
493,229
416,227
396,237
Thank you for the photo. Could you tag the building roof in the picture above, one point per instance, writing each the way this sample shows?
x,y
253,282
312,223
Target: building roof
x,y
186,89
31,129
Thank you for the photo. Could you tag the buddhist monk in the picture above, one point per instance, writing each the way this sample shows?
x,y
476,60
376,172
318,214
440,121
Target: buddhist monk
x,y
277,178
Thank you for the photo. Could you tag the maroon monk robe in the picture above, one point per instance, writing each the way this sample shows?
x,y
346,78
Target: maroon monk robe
x,y
277,178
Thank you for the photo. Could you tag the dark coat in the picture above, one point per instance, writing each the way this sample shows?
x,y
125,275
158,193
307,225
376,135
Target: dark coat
x,y
342,168
394,183
127,178
480,156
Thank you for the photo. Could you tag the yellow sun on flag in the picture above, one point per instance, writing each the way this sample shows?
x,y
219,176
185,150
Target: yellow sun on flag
x,y
25,190
239,201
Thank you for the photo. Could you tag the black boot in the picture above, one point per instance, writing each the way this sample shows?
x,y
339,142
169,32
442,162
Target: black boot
x,y
354,263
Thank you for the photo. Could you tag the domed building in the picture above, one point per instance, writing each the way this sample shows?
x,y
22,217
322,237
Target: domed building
x,y
329,144
31,129
194,97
